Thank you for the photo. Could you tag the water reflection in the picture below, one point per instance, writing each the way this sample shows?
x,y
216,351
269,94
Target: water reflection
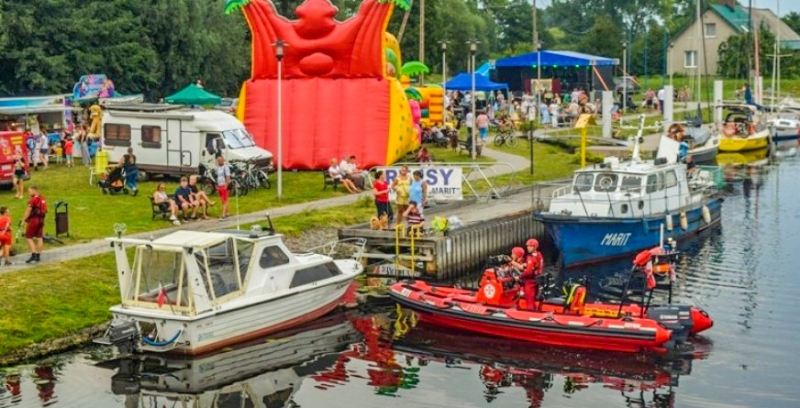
x,y
262,374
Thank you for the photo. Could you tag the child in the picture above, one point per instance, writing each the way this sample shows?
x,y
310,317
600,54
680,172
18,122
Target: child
x,y
68,144
5,235
414,218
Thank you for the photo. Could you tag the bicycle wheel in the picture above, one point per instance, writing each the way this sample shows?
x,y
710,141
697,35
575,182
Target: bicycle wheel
x,y
511,141
235,188
209,186
499,140
263,180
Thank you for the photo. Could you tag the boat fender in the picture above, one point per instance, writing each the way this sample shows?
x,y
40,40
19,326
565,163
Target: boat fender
x,y
684,221
642,258
668,224
706,214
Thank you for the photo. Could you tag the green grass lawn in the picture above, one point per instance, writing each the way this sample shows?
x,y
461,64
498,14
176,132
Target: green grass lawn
x,y
93,214
729,86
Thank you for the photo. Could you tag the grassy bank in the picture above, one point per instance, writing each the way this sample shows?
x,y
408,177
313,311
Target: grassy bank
x,y
93,214
56,300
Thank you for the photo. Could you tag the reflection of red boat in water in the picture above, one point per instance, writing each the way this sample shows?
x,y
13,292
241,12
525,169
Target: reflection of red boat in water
x,y
508,363
497,309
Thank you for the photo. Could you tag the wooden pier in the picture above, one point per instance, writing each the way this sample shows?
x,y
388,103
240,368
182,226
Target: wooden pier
x,y
488,227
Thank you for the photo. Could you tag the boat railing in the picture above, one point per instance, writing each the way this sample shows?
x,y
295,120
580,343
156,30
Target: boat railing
x,y
343,248
542,193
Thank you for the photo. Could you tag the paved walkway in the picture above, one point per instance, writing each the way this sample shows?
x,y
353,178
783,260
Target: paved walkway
x,y
64,253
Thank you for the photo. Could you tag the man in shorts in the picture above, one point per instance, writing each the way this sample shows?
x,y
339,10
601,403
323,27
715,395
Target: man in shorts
x,y
223,173
34,219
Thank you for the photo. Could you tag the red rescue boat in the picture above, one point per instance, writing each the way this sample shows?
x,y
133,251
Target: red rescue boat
x,y
497,309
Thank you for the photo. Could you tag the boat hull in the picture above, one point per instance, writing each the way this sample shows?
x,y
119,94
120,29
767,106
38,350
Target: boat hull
x,y
742,144
586,240
216,330
703,155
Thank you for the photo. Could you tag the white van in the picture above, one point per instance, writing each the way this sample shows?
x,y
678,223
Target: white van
x,y
173,140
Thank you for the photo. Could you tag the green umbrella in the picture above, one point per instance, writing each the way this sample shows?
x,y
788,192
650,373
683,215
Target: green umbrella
x,y
193,95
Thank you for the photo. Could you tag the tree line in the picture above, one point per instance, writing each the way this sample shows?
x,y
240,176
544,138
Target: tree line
x,y
157,47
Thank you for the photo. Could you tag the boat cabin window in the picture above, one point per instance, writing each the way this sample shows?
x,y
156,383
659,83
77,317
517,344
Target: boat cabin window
x,y
220,267
670,179
631,184
161,270
652,183
605,183
272,256
583,182
314,273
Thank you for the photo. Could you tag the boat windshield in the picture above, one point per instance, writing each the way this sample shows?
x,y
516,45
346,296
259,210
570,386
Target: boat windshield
x,y
161,270
583,182
224,266
631,184
606,182
237,139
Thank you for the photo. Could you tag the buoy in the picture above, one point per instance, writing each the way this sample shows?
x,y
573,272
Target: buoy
x,y
684,221
706,214
668,222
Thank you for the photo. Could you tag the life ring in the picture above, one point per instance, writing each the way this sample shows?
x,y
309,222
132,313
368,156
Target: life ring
x,y
605,182
729,129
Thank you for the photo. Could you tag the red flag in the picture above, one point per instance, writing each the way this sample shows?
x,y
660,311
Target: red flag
x,y
162,295
651,279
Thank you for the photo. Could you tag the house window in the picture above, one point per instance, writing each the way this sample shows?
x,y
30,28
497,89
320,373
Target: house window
x,y
710,30
117,135
690,59
151,137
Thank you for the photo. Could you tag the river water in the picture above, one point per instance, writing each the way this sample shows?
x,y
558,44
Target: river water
x,y
741,273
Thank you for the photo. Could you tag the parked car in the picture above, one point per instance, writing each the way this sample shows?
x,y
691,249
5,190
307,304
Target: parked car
x,y
626,82
228,105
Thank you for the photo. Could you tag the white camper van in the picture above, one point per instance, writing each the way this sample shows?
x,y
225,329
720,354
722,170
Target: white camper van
x,y
173,140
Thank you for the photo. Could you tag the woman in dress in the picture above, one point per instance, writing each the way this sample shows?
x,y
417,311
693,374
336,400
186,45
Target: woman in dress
x,y
401,185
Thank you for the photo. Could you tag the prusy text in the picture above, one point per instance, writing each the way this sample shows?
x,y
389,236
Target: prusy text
x,y
431,176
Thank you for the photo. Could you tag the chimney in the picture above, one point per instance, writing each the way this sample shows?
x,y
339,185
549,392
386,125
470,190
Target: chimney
x,y
730,3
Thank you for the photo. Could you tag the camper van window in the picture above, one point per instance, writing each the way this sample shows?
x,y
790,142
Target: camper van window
x,y
583,182
214,143
117,135
151,137
238,138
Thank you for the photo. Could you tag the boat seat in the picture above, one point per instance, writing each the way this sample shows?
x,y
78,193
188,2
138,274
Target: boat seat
x,y
556,300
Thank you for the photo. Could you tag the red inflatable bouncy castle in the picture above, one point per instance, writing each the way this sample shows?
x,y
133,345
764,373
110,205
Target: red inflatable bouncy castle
x,y
338,96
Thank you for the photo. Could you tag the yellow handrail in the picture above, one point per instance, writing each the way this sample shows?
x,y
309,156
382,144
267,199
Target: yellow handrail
x,y
414,231
398,232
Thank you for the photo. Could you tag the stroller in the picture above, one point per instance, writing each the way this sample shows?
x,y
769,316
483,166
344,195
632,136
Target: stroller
x,y
113,182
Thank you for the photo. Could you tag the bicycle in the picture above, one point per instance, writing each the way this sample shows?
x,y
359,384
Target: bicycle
x,y
505,138
254,177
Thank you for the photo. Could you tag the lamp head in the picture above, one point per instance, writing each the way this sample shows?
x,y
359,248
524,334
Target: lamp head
x,y
473,45
443,43
538,45
279,49
624,44
671,45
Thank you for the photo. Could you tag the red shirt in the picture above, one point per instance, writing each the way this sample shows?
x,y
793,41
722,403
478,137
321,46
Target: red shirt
x,y
5,223
533,266
68,147
381,186
36,203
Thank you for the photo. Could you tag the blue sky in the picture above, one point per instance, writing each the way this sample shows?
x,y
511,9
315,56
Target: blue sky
x,y
787,6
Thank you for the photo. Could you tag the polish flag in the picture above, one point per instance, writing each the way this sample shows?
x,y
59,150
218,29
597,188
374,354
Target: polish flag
x,y
162,295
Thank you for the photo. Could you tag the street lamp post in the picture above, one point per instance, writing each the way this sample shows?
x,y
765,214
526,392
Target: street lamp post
x,y
538,79
443,43
473,48
624,75
279,50
670,62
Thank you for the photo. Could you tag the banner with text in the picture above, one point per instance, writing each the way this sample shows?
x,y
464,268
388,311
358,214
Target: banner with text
x,y
444,183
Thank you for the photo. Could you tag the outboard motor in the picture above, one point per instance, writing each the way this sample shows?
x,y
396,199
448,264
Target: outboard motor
x,y
121,333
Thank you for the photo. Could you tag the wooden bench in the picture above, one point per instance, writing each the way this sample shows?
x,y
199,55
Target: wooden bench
x,y
328,180
158,211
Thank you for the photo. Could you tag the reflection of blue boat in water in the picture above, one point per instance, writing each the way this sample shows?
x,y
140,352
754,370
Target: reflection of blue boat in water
x,y
615,209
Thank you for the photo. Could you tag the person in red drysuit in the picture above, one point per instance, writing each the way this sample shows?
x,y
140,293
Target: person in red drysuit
x,y
534,264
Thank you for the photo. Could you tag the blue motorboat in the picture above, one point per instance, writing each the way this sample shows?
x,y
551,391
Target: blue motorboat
x,y
786,131
615,209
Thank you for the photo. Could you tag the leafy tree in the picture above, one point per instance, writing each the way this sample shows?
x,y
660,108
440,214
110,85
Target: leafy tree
x,y
733,63
793,21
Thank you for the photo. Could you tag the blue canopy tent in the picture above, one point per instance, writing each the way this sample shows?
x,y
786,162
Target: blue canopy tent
x,y
463,82
571,69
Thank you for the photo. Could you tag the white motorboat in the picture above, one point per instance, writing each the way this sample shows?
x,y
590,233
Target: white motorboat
x,y
193,292
703,143
263,372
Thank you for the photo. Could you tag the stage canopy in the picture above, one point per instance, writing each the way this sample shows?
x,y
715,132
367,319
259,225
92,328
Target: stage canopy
x,y
554,59
463,82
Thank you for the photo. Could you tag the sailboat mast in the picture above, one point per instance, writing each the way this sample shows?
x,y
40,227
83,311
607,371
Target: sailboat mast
x,y
778,49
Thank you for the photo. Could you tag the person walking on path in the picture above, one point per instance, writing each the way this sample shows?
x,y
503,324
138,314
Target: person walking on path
x,y
660,97
223,180
483,125
83,139
380,189
34,220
